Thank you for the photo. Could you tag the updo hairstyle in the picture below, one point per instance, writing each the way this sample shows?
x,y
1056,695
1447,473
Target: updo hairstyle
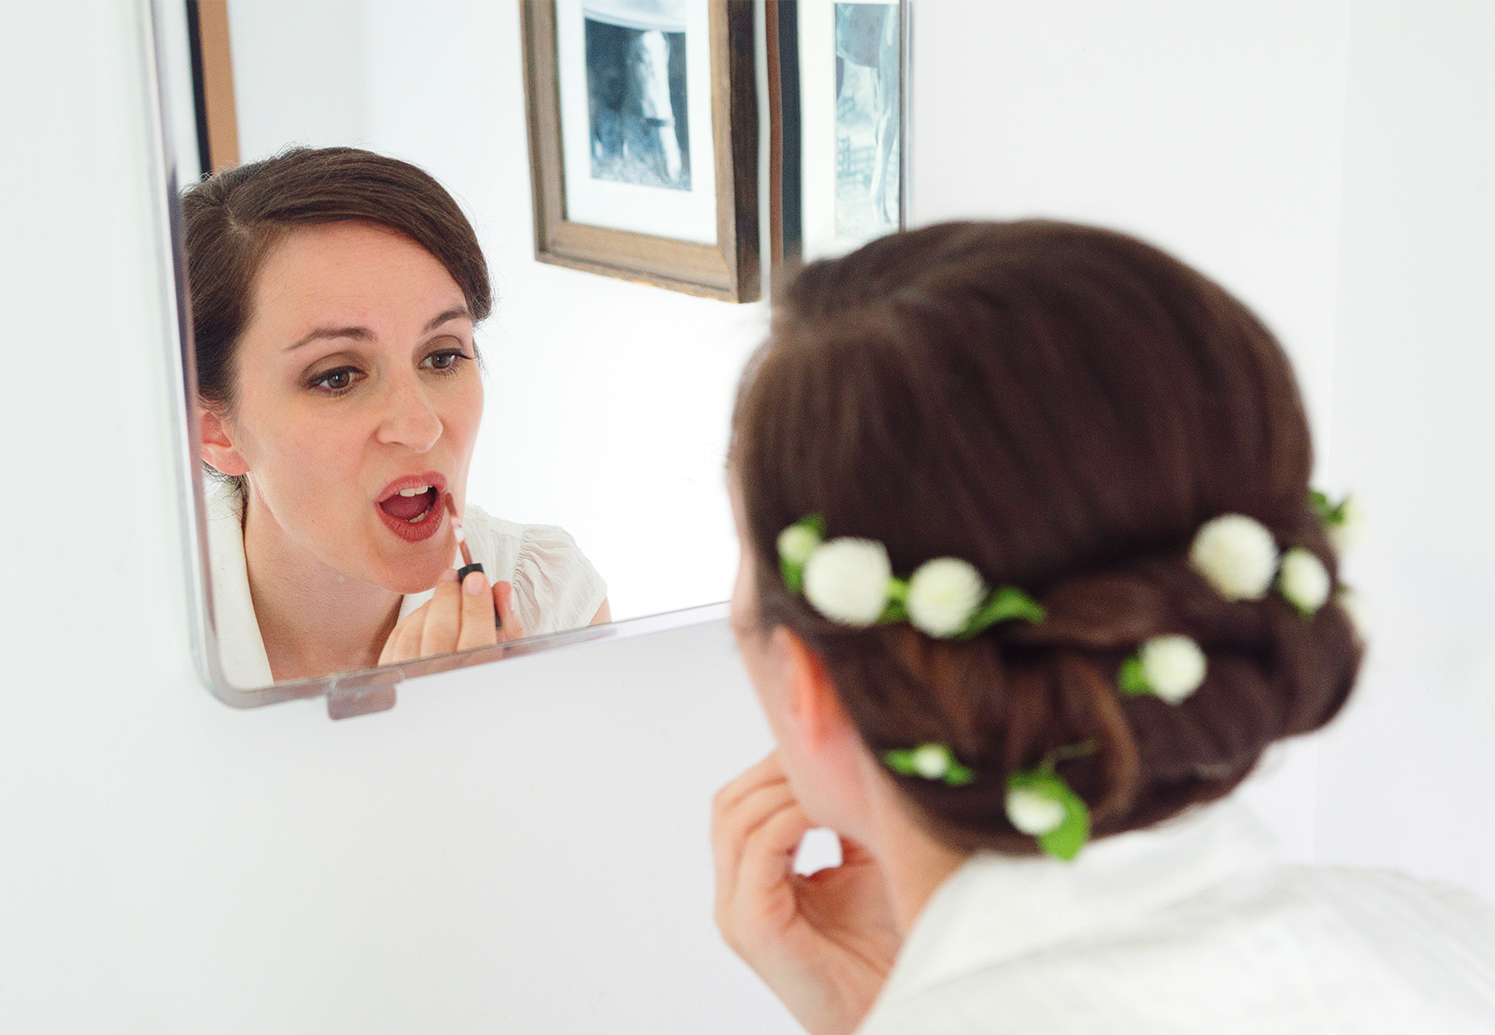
x,y
235,219
1063,407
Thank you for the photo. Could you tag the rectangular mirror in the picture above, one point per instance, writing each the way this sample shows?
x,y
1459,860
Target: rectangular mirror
x,y
580,429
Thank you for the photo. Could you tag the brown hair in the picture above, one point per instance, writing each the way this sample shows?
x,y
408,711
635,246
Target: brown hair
x,y
234,219
1063,407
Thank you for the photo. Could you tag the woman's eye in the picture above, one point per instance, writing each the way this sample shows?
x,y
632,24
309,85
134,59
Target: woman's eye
x,y
335,381
447,359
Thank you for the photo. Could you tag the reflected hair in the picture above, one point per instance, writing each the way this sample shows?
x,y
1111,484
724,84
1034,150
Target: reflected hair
x,y
233,221
1062,406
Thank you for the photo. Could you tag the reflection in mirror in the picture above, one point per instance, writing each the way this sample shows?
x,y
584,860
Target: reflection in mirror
x,y
353,406
335,293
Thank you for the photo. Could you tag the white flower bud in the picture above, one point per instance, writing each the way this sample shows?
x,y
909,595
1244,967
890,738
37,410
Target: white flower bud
x,y
931,761
1173,666
1236,555
943,594
1303,580
1346,533
1033,813
847,580
797,542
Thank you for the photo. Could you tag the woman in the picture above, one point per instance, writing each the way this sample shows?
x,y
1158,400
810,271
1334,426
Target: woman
x,y
334,297
1030,560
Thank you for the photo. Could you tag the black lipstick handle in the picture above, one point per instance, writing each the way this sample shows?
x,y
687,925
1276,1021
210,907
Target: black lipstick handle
x,y
462,574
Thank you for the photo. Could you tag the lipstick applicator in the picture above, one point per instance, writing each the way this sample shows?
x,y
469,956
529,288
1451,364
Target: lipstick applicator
x,y
468,564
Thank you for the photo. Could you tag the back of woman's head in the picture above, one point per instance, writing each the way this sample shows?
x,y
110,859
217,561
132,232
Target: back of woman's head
x,y
234,220
1063,407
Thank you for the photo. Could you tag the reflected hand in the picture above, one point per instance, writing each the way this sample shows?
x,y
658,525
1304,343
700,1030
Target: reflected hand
x,y
824,943
455,618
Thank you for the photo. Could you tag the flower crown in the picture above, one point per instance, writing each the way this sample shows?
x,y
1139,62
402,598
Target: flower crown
x,y
850,581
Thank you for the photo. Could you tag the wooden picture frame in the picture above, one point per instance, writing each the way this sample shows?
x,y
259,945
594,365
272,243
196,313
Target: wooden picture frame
x,y
803,128
213,85
727,269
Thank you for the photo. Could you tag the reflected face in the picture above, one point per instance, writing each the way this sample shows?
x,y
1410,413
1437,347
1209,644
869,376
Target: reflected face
x,y
358,403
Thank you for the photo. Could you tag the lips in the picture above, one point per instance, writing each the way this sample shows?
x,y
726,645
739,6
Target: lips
x,y
411,506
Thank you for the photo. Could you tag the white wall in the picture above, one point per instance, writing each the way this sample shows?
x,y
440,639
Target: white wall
x,y
523,847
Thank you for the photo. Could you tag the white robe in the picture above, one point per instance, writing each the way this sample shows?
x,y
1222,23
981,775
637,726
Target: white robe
x,y
555,586
1193,927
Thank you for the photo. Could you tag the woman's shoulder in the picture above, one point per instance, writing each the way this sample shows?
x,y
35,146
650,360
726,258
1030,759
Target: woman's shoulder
x,y
1153,933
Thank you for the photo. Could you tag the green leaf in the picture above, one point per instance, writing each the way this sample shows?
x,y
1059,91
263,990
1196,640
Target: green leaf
x,y
901,761
814,522
1132,680
794,575
1065,840
958,775
1329,512
1003,604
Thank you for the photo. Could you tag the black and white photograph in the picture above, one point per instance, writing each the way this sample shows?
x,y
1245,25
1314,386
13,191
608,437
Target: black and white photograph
x,y
637,102
867,129
643,138
839,82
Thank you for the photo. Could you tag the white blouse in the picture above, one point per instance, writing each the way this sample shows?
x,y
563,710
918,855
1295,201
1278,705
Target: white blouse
x,y
1193,927
555,586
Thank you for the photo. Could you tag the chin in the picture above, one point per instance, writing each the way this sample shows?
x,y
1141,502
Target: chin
x,y
414,575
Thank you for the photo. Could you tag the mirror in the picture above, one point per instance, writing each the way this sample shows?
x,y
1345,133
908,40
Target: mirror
x,y
592,435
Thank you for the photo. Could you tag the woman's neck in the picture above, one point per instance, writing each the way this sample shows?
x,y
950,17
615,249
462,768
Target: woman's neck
x,y
913,863
313,619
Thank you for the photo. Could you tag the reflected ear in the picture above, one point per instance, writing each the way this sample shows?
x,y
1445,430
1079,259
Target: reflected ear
x,y
814,705
218,444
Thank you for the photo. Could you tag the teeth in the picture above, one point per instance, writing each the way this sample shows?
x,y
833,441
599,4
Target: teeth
x,y
416,492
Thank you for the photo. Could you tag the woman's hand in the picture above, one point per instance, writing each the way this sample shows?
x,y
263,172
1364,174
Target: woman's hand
x,y
455,618
824,943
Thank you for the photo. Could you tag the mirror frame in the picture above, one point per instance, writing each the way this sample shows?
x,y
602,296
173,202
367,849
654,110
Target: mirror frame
x,y
348,693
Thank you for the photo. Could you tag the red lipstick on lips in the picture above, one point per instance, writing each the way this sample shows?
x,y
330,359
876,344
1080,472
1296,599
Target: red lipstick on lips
x,y
411,506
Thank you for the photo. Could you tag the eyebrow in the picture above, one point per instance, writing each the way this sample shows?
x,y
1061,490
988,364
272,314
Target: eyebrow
x,y
364,334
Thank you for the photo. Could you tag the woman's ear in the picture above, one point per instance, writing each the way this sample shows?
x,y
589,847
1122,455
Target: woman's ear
x,y
218,444
814,705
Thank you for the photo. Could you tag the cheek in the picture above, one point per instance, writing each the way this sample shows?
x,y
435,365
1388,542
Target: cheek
x,y
464,413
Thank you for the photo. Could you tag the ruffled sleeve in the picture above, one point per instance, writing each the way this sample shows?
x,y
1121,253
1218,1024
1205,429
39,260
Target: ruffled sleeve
x,y
555,586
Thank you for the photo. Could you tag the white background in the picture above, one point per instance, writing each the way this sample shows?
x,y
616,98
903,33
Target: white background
x,y
522,847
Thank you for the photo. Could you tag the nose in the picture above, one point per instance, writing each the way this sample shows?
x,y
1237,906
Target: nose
x,y
409,418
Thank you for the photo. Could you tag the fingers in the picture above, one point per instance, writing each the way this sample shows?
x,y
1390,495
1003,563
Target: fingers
x,y
510,627
738,811
768,770
444,617
477,613
768,850
404,642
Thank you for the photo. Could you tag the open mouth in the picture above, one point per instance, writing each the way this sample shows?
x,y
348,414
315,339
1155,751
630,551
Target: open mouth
x,y
410,505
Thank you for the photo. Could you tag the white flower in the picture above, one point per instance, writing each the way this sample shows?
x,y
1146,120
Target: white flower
x,y
1236,555
847,580
943,594
1032,812
931,761
1354,609
1303,580
797,542
1173,666
1345,534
